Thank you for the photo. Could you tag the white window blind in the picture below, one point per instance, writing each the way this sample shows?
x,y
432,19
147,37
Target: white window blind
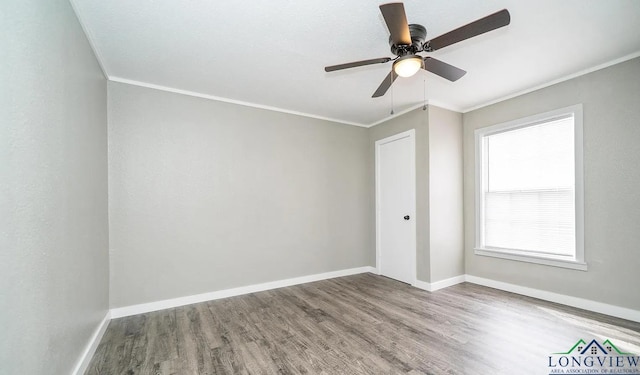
x,y
528,189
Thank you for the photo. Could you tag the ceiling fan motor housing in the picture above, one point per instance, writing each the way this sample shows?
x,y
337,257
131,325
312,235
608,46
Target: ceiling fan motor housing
x,y
418,37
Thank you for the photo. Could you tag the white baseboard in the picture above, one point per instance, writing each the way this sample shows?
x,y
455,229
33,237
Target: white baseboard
x,y
92,345
581,303
432,287
447,282
422,285
188,300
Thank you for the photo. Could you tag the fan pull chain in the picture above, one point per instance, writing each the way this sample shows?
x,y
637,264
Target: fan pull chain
x,y
424,83
391,79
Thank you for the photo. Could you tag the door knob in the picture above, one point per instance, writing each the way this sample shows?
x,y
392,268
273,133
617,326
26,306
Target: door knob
x,y
407,217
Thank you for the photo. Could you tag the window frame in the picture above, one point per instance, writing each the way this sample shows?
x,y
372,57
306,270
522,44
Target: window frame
x,y
579,262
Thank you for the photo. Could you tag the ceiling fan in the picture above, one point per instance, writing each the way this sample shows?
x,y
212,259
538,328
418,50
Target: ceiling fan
x,y
407,40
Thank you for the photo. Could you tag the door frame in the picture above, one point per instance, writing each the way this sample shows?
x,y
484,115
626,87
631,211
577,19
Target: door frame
x,y
411,134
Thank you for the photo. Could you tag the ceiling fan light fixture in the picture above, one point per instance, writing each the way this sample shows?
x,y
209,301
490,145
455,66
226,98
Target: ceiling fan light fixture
x,y
408,65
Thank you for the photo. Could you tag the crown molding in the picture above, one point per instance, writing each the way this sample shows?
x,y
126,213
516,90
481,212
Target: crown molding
x,y
232,101
555,81
90,38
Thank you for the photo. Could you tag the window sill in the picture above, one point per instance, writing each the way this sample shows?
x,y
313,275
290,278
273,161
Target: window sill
x,y
554,262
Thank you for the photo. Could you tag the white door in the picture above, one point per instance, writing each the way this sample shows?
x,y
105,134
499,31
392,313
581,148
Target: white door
x,y
395,207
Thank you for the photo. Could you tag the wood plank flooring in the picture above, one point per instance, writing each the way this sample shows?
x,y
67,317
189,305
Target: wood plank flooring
x,y
361,324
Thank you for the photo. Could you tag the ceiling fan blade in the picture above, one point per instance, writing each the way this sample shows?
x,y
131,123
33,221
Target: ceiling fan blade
x,y
386,83
481,26
396,20
354,64
443,69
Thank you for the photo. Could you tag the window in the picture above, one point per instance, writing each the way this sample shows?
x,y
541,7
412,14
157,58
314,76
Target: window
x,y
529,189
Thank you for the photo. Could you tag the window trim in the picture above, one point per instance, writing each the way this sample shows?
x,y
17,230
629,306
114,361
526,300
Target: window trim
x,y
579,263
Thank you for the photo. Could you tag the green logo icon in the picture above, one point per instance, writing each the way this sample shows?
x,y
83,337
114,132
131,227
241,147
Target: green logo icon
x,y
594,348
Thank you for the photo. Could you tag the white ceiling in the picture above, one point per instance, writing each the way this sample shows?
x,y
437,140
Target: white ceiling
x,y
271,53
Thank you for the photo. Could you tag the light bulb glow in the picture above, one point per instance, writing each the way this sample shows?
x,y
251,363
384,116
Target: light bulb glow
x,y
406,66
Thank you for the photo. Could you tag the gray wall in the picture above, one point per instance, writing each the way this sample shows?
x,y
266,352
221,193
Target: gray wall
x,y
445,194
418,120
53,183
206,195
612,176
